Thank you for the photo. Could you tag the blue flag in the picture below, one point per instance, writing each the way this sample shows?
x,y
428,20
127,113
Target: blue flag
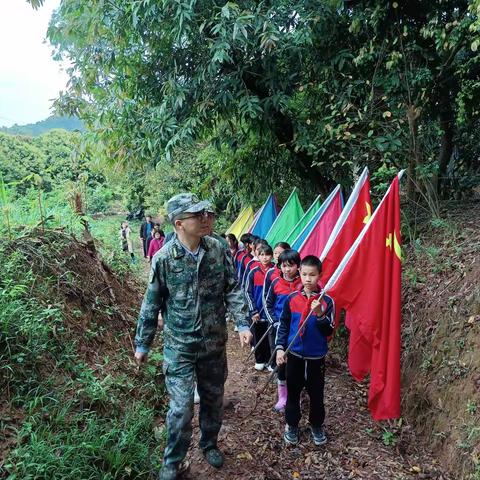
x,y
265,218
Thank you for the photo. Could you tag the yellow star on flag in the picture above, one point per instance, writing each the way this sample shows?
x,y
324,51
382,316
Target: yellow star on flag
x,y
369,213
396,245
388,241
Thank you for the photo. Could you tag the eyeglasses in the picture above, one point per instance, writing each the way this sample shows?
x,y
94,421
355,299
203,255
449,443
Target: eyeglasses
x,y
198,215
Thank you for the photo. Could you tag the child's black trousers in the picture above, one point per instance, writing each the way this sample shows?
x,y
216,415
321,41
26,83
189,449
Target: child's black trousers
x,y
272,335
262,353
309,374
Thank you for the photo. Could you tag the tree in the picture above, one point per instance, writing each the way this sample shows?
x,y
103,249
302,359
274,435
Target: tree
x,y
334,84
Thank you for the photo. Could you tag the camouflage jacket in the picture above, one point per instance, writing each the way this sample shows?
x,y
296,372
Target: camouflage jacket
x,y
193,296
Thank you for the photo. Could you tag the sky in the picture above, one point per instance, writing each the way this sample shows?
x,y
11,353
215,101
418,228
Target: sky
x,y
29,78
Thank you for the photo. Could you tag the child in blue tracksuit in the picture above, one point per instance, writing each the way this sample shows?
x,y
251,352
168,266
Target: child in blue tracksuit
x,y
247,262
274,272
305,362
282,286
247,241
254,294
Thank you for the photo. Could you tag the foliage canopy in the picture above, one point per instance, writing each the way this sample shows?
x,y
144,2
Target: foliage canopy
x,y
324,86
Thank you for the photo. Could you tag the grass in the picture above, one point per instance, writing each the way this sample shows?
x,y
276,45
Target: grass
x,y
69,444
80,420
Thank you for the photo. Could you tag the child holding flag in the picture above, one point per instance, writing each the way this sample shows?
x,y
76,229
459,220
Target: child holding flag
x,y
246,259
288,282
254,261
305,362
274,272
246,242
254,294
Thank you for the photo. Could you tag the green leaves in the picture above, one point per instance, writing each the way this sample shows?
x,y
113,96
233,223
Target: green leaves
x,y
328,84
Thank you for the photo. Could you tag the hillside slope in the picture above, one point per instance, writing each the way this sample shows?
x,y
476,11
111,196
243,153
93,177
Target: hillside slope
x,y
73,404
441,355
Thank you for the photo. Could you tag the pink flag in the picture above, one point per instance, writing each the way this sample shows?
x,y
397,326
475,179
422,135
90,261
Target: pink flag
x,y
320,233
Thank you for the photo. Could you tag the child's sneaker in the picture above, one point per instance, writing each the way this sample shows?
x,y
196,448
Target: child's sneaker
x,y
318,435
259,366
270,368
291,435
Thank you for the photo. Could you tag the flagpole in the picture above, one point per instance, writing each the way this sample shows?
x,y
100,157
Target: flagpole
x,y
290,345
345,212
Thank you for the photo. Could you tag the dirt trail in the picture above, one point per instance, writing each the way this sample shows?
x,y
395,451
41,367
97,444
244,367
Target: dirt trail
x,y
254,447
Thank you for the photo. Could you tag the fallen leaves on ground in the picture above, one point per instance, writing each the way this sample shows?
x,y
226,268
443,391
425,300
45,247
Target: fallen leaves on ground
x,y
255,449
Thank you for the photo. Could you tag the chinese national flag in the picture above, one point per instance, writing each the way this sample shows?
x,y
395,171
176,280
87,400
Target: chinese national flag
x,y
354,217
367,284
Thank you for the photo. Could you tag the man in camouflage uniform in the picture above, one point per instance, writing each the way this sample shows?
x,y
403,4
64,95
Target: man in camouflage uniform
x,y
192,281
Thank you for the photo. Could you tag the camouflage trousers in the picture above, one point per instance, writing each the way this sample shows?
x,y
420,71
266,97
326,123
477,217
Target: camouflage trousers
x,y
181,371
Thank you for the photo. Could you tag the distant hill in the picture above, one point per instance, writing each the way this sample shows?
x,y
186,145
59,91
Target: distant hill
x,y
35,129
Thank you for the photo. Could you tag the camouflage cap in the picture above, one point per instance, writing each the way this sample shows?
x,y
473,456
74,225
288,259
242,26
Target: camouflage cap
x,y
185,203
210,208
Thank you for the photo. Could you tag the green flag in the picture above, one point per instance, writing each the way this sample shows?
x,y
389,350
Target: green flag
x,y
302,223
288,217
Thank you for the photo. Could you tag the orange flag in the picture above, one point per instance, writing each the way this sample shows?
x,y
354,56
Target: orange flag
x,y
367,283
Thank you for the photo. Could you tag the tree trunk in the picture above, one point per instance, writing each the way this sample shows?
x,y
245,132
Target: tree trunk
x,y
412,115
446,148
284,131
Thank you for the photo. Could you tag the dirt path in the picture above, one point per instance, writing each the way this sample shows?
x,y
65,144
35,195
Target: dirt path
x,y
254,447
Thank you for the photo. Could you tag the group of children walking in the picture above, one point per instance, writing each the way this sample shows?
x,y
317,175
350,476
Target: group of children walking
x,y
291,321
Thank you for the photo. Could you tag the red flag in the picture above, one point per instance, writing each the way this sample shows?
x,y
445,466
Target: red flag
x,y
317,238
354,217
368,284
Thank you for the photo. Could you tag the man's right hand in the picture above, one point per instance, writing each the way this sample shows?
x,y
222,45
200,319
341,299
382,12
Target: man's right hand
x,y
255,318
140,358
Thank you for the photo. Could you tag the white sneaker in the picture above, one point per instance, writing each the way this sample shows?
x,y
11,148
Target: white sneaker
x,y
196,396
259,366
270,368
235,329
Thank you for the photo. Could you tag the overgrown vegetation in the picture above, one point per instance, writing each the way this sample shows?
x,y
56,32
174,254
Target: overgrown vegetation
x,y
73,405
46,172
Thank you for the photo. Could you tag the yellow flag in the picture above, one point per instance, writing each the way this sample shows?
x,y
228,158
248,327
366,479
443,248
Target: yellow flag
x,y
242,222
